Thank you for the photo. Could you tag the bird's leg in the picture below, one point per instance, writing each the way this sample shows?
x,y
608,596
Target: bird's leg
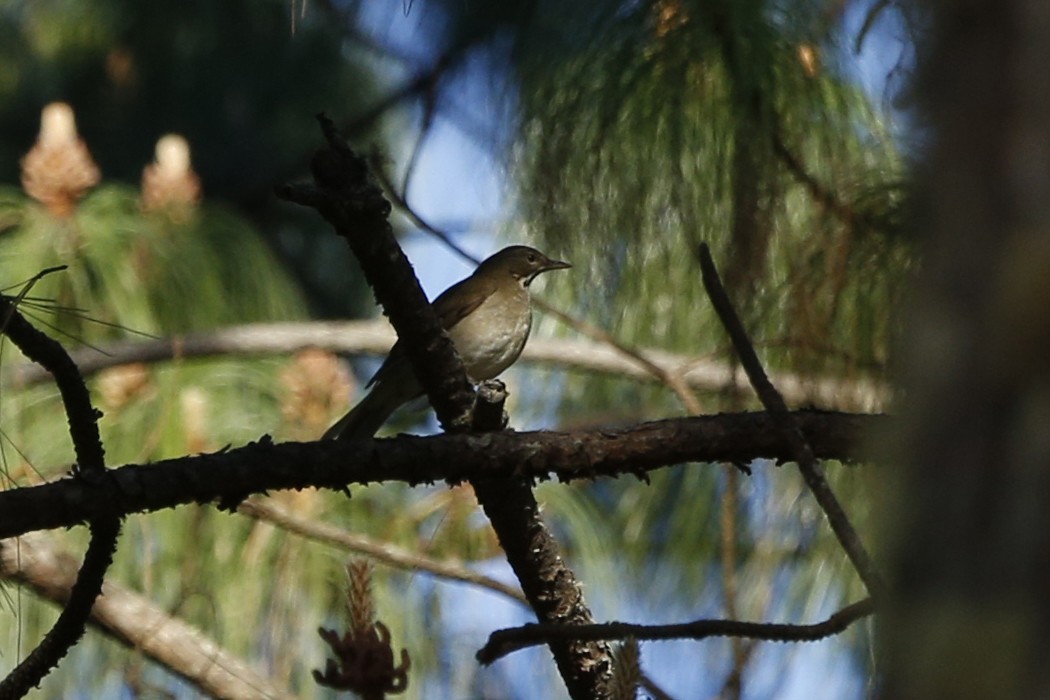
x,y
488,406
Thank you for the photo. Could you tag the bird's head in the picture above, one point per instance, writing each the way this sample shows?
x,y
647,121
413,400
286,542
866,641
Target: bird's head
x,y
521,262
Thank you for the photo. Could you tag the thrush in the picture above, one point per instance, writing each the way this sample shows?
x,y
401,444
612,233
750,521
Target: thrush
x,y
488,316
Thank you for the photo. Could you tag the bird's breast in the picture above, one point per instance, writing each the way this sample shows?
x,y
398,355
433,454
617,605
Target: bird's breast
x,y
492,337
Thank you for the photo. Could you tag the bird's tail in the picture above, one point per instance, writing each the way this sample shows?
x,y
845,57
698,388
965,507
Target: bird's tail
x,y
366,417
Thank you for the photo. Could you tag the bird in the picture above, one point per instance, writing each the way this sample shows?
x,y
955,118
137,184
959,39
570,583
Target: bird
x,y
488,317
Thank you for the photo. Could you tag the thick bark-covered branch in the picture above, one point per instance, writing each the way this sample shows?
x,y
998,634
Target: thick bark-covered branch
x,y
346,196
264,466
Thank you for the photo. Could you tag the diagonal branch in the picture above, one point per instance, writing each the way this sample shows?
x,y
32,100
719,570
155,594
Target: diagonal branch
x,y
35,561
384,552
347,197
802,450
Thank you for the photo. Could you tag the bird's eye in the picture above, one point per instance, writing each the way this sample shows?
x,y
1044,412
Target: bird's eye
x,y
531,257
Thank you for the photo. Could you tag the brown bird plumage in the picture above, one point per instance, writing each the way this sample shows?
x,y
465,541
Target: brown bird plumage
x,y
488,316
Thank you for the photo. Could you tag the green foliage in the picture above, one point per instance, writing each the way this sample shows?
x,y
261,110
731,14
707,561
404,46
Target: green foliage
x,y
644,129
130,271
660,130
649,127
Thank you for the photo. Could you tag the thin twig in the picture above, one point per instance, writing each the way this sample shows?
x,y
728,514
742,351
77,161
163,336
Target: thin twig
x,y
380,551
507,641
803,451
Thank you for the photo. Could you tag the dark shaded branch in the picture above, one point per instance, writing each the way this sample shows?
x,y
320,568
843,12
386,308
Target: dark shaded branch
x,y
507,641
263,466
91,467
348,198
49,354
69,627
801,449
534,555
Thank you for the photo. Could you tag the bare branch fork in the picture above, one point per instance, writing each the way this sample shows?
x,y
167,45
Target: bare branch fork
x,y
347,197
87,444
803,451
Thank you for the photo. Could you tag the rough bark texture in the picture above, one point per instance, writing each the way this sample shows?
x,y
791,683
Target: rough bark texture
x,y
347,197
263,466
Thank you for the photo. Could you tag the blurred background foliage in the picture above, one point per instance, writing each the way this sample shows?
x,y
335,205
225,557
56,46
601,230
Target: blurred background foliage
x,y
627,133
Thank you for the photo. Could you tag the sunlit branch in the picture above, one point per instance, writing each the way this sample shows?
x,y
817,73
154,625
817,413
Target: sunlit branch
x,y
36,562
376,337
380,551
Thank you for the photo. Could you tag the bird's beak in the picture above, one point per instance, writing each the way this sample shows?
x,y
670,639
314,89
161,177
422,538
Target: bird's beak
x,y
556,265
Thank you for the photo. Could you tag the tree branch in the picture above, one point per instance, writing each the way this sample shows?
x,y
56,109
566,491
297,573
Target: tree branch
x,y
49,354
383,552
802,450
263,466
376,337
90,467
352,203
507,641
135,621
349,200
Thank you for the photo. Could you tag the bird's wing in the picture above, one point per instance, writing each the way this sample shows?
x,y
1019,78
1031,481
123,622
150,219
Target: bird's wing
x,y
451,308
453,305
